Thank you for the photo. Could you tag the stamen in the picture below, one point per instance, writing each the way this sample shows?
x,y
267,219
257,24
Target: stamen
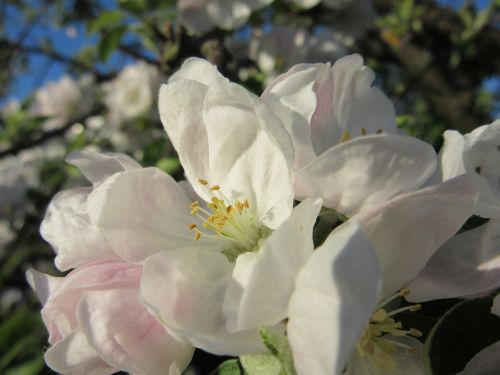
x,y
192,226
197,235
363,131
345,136
203,181
215,188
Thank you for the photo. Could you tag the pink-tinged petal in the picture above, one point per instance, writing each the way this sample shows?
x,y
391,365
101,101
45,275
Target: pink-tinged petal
x,y
97,167
59,312
43,285
468,264
495,309
486,362
262,281
123,333
407,230
336,293
74,355
366,171
142,212
184,289
67,228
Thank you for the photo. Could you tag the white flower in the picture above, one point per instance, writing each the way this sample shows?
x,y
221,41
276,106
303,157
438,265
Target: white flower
x,y
64,100
284,46
334,317
96,322
200,16
477,152
335,116
211,247
131,94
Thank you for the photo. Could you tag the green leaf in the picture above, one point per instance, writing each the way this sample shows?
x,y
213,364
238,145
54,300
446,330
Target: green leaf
x,y
461,333
278,346
135,6
168,165
258,364
110,41
106,19
31,367
229,367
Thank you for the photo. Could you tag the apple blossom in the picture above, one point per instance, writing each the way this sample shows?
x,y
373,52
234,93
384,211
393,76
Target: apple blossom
x,y
335,116
209,245
476,152
200,16
97,324
283,46
64,100
334,317
132,93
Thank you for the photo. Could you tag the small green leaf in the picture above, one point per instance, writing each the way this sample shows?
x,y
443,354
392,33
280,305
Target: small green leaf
x,y
229,367
110,41
258,364
168,165
278,346
106,19
135,6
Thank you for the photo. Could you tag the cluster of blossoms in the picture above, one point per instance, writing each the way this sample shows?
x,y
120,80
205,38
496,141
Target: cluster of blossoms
x,y
159,267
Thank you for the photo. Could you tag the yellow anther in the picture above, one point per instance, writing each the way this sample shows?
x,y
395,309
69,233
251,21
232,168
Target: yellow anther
x,y
379,315
197,235
363,131
345,136
194,207
404,292
415,332
212,206
192,226
203,181
215,187
415,307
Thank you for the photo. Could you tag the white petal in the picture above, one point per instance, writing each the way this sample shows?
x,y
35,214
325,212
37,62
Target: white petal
x,y
43,285
67,228
228,14
184,289
451,155
468,264
407,230
97,167
228,136
263,281
142,212
74,355
193,15
366,171
248,162
486,362
336,293
126,336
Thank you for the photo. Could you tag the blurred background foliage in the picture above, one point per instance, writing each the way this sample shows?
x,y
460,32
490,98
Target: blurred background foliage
x,y
78,74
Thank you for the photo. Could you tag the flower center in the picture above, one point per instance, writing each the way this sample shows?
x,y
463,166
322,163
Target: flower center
x,y
223,219
376,344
